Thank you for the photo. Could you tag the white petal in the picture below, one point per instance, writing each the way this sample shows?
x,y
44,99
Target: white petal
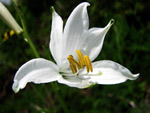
x,y
38,71
110,73
75,82
56,37
94,39
76,25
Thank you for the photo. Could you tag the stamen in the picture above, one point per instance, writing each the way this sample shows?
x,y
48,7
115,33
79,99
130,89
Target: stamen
x,y
80,57
83,61
73,61
73,68
5,36
12,32
88,63
71,56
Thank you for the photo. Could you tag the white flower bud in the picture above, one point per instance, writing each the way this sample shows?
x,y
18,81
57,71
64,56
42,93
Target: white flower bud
x,y
8,18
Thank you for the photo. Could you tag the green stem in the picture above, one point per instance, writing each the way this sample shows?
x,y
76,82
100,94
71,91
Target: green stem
x,y
118,35
39,95
54,87
25,31
59,98
26,36
51,100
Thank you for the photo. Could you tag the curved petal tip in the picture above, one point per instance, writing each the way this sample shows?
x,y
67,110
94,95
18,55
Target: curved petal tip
x,y
15,87
112,21
85,3
136,76
52,9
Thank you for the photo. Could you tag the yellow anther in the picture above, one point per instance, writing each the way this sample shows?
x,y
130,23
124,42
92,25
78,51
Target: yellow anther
x,y
83,61
88,64
5,36
12,32
73,68
70,56
80,57
73,61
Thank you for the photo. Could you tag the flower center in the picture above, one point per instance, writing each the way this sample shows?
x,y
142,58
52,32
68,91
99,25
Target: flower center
x,y
84,61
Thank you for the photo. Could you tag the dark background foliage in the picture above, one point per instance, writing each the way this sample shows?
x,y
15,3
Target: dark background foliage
x,y
127,42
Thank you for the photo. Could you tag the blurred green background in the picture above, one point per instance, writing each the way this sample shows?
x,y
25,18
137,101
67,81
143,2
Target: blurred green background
x,y
127,42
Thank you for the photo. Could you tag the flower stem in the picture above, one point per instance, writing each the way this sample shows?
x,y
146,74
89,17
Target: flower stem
x,y
55,89
28,39
37,92
118,44
25,31
59,98
50,98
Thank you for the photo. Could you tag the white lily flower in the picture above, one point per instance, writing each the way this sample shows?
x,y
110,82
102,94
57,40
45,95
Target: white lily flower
x,y
73,48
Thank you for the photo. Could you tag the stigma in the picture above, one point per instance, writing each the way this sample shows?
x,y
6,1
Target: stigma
x,y
83,61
